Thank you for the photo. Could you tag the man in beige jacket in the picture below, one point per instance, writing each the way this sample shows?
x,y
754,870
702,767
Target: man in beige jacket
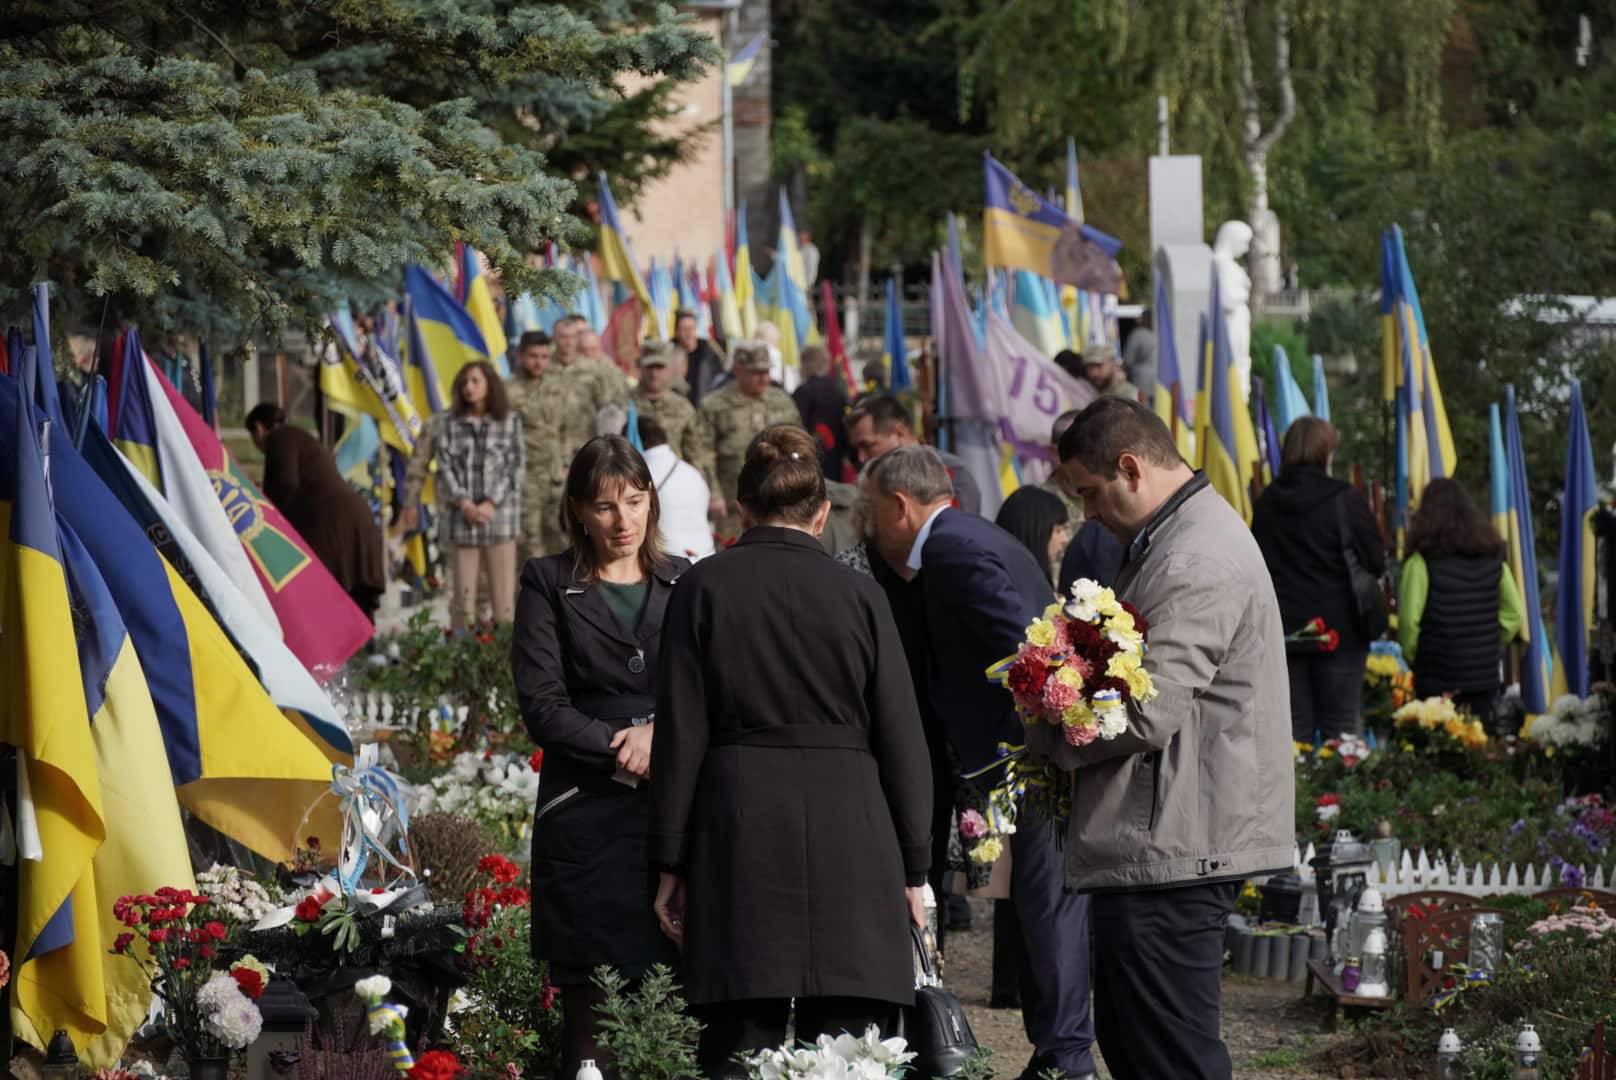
x,y
1198,794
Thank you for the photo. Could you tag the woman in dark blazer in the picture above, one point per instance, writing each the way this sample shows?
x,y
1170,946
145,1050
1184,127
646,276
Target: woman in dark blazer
x,y
1299,523
585,662
790,777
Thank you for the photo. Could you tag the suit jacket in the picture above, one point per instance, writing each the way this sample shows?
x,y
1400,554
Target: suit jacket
x,y
981,588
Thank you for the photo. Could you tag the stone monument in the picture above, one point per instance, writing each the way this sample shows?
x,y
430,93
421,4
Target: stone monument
x,y
1234,295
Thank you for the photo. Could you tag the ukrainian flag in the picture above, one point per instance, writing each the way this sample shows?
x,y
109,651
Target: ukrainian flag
x,y
359,379
145,846
449,335
1537,665
237,761
134,428
792,286
1230,452
617,258
729,310
896,355
740,66
420,373
1020,228
1291,405
661,299
1071,296
1428,451
1035,316
1574,602
43,714
478,300
1168,397
1498,471
777,288
745,288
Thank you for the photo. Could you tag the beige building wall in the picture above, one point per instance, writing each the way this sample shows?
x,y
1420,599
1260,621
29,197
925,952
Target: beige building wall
x,y
684,211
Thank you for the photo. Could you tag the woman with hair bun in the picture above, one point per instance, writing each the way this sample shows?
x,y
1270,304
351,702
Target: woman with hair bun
x,y
790,781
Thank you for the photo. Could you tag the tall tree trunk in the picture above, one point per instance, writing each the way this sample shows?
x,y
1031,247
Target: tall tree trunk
x,y
1266,276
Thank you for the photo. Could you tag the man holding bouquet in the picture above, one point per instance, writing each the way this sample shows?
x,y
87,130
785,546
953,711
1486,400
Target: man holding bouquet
x,y
1172,812
981,587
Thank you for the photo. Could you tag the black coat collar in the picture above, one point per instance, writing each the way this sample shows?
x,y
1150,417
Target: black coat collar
x,y
587,601
774,534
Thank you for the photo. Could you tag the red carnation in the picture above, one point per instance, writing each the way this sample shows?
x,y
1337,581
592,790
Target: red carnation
x,y
1027,677
514,896
158,936
437,1065
1110,682
547,1002
826,438
216,930
121,943
1331,640
308,909
535,760
251,983
181,963
502,869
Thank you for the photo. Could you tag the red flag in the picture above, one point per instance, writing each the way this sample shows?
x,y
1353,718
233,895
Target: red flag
x,y
833,340
622,337
729,242
319,623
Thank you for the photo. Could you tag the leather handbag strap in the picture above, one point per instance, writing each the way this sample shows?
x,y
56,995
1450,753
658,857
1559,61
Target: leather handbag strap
x,y
928,977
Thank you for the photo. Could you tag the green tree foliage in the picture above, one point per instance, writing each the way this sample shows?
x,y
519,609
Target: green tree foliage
x,y
193,164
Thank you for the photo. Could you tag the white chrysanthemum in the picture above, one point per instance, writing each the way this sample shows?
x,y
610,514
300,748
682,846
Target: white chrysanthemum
x,y
376,986
218,993
1112,720
237,1025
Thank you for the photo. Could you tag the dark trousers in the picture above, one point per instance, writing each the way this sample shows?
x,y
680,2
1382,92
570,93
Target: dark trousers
x,y
1055,966
744,1027
1158,961
1326,693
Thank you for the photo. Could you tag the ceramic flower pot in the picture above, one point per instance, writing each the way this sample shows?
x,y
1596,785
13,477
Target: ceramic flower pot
x,y
208,1068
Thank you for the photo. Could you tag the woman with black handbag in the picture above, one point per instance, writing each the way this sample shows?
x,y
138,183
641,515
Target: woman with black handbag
x,y
790,778
1312,529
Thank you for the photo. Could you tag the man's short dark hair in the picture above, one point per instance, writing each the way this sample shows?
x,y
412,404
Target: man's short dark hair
x,y
882,410
682,314
651,432
1061,426
267,415
1113,426
530,338
1070,362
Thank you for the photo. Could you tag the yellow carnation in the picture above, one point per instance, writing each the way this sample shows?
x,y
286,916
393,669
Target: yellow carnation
x,y
1069,675
1051,611
1139,685
1106,604
1078,716
1122,622
1041,632
988,850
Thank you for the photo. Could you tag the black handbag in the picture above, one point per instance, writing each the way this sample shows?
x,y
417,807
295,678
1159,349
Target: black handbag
x,y
934,1026
1368,601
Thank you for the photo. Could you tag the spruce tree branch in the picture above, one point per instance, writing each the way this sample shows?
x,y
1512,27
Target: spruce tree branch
x,y
241,68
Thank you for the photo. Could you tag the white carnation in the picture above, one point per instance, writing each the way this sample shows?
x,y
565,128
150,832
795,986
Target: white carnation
x,y
376,986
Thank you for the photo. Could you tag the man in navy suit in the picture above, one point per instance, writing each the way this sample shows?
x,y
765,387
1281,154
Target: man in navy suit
x,y
980,588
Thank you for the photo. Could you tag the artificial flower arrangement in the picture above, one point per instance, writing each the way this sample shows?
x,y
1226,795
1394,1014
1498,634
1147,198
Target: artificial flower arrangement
x,y
175,938
1439,716
1080,666
841,1056
1388,683
498,790
1313,636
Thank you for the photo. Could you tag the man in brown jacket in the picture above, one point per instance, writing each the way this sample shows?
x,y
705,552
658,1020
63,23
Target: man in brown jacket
x,y
1198,795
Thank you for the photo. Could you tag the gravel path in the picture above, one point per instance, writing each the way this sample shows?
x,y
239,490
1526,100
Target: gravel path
x,y
1270,1030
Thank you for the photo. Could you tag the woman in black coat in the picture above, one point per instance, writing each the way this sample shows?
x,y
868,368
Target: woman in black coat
x,y
585,662
790,777
1299,522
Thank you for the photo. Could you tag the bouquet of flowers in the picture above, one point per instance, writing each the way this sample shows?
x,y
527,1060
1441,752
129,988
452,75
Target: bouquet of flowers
x,y
1080,665
1388,684
1438,716
1574,725
1313,636
842,1056
498,790
173,936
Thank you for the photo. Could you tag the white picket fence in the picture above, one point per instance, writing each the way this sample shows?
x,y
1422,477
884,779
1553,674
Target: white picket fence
x,y
370,711
1416,873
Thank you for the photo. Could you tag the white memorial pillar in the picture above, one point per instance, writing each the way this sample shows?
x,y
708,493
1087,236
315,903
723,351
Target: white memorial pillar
x,y
1181,258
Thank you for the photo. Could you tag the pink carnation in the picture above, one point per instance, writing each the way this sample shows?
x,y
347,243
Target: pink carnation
x,y
1059,696
1080,736
972,825
1039,653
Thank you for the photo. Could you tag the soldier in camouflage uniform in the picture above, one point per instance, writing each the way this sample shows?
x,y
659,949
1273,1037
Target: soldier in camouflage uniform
x,y
655,398
573,392
593,355
525,390
732,416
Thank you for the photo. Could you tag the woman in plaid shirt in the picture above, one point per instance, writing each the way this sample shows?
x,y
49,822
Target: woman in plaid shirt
x,y
479,450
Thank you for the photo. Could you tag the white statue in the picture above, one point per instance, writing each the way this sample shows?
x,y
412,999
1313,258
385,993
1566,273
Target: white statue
x,y
1234,295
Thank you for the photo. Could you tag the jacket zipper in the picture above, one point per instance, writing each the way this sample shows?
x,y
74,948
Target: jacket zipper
x,y
1155,788
553,803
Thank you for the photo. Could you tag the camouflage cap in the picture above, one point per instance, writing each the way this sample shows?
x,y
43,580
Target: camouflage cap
x,y
657,354
751,356
1101,352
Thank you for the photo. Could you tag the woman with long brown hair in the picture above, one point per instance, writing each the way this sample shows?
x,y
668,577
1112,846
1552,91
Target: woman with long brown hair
x,y
1457,602
791,777
585,659
480,460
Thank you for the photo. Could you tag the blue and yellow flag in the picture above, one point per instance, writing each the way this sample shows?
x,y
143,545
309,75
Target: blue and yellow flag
x,y
740,66
478,300
1537,665
449,335
729,309
662,298
1497,471
617,257
43,714
895,354
1290,404
1574,600
1230,454
746,293
1167,399
1427,449
134,429
791,288
358,378
1022,229
1035,315
1267,437
426,389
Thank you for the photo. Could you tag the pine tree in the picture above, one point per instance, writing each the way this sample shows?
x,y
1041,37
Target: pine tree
x,y
194,164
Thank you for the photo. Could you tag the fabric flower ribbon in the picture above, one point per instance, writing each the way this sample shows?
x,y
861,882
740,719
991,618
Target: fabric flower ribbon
x,y
374,816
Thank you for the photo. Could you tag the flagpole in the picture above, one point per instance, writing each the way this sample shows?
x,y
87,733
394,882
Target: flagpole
x,y
10,878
